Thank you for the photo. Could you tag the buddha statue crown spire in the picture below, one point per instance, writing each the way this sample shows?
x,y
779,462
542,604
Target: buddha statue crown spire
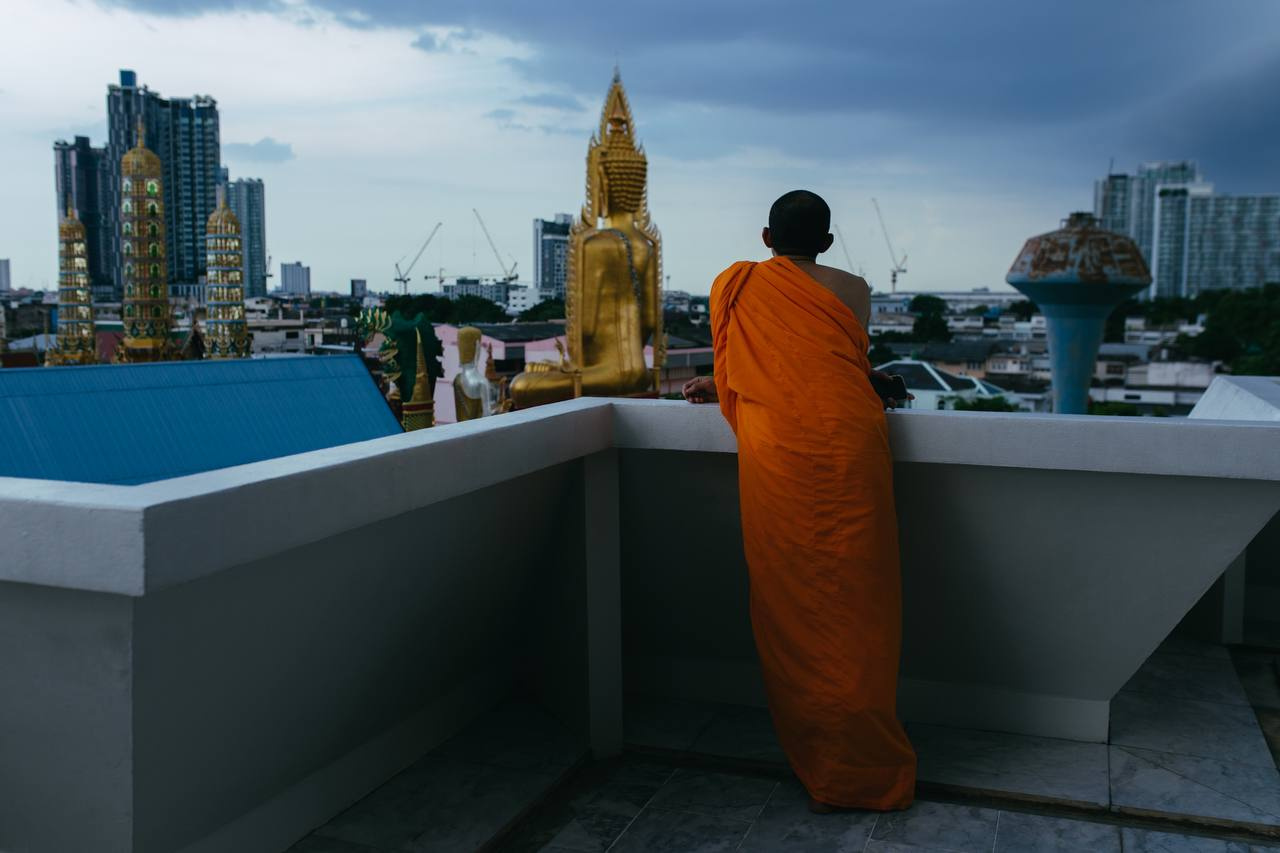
x,y
617,169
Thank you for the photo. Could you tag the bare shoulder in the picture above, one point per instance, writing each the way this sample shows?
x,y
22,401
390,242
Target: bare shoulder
x,y
847,281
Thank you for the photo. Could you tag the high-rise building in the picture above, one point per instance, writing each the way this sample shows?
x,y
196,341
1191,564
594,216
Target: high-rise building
x,y
1192,238
226,333
359,288
247,200
295,279
551,255
146,312
6,283
184,133
78,173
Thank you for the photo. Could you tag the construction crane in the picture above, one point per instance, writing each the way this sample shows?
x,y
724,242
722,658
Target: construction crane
x,y
403,277
844,247
266,285
508,273
899,266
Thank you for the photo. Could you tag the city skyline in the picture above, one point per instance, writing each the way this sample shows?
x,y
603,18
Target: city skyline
x,y
427,117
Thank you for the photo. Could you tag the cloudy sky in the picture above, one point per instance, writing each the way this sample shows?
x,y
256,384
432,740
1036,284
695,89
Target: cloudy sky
x,y
975,124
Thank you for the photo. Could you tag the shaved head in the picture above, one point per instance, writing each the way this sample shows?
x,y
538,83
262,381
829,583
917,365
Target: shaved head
x,y
799,223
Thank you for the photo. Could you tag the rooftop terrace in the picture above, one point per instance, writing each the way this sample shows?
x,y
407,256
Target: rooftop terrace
x,y
500,634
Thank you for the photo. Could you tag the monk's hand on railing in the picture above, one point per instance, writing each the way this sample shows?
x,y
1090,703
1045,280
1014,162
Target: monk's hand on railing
x,y
700,389
880,380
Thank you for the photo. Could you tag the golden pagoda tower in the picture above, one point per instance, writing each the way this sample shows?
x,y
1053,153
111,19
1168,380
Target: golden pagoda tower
x,y
419,410
77,341
146,313
226,333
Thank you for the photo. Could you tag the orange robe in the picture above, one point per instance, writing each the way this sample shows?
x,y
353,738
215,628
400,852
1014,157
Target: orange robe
x,y
819,529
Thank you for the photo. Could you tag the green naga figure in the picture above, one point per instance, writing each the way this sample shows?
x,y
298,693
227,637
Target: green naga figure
x,y
410,356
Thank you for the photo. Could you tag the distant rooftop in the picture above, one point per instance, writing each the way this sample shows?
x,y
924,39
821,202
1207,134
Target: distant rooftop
x,y
136,423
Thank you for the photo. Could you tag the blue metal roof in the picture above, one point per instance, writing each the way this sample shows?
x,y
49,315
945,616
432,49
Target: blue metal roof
x,y
135,423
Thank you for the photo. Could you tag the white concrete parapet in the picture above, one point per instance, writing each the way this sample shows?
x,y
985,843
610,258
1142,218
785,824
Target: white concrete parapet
x,y
221,661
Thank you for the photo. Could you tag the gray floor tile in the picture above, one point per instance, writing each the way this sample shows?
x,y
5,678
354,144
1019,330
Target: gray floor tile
x,y
1186,646
320,844
721,794
1187,727
665,723
1149,781
935,826
595,818
1259,676
787,826
1033,766
742,732
1027,833
517,736
439,804
664,831
1145,841
1209,679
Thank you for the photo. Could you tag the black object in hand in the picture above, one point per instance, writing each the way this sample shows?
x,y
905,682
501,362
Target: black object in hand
x,y
892,387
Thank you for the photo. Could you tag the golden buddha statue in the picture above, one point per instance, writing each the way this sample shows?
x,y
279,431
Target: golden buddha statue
x,y
613,296
474,395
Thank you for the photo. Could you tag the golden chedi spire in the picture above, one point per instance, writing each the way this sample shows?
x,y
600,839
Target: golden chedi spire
x,y
419,410
146,312
77,341
226,332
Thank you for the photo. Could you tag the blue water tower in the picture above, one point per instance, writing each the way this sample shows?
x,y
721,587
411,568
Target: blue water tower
x,y
1077,275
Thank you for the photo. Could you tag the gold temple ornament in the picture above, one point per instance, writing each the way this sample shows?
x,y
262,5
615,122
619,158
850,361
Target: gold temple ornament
x,y
613,293
146,313
77,341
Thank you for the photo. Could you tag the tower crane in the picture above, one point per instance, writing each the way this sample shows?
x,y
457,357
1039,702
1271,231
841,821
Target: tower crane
x,y
508,273
403,277
899,266
844,247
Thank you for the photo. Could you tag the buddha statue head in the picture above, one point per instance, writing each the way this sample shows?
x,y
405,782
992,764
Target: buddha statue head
x,y
468,343
617,167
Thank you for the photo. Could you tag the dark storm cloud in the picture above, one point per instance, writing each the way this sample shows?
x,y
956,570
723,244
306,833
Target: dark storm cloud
x,y
265,150
1111,75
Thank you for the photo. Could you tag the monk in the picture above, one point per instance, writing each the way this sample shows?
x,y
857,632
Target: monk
x,y
818,524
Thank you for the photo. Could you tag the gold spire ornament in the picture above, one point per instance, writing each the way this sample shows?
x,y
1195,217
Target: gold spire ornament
x,y
146,313
419,409
226,332
77,341
613,292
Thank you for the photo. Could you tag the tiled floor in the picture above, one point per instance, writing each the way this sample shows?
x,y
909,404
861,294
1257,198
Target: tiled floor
x,y
462,794
698,811
1186,744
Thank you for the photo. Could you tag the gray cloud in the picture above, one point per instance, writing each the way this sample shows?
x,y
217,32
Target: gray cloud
x,y
551,100
1084,81
265,150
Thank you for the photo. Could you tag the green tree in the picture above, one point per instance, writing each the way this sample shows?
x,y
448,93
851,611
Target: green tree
x,y
880,354
926,304
550,309
985,404
978,310
1125,409
1242,329
475,309
1023,309
930,328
